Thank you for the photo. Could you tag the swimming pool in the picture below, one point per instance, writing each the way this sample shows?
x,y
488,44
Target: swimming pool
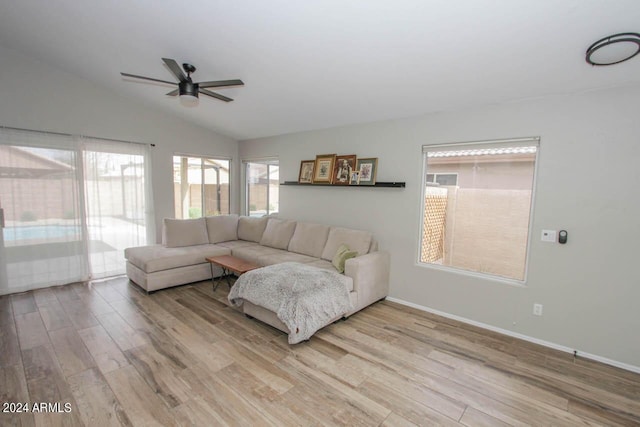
x,y
40,232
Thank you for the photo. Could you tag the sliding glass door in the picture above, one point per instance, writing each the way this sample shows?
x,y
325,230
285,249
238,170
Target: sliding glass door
x,y
43,238
69,208
116,203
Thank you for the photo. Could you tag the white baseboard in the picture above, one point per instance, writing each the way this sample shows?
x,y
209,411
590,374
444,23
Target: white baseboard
x,y
554,346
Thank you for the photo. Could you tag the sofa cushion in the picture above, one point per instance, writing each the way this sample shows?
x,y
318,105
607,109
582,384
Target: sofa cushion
x,y
251,229
222,228
255,253
233,244
320,263
177,233
157,257
285,257
357,240
342,255
309,239
277,233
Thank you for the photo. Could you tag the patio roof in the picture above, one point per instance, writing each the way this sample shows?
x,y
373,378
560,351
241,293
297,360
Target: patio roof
x,y
16,162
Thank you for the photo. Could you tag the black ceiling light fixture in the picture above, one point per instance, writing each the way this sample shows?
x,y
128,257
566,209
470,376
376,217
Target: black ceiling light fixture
x,y
613,49
187,88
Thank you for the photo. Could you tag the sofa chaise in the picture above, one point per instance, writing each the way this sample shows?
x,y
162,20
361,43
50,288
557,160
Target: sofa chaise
x,y
180,259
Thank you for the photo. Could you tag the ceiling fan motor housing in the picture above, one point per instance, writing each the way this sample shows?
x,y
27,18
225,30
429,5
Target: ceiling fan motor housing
x,y
188,88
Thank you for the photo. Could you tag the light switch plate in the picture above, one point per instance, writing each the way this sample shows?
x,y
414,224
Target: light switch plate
x,y
548,236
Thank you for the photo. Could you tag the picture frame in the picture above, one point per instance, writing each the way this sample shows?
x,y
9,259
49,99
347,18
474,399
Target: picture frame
x,y
343,166
306,172
323,169
367,171
355,177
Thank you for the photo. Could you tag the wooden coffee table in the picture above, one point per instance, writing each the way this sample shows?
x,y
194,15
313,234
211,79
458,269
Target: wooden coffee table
x,y
229,264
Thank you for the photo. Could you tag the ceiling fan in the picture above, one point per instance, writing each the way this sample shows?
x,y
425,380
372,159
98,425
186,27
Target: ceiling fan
x,y
187,89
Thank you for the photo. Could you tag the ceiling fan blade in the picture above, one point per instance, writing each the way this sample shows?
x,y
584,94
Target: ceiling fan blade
x,y
221,83
175,69
174,92
214,95
147,78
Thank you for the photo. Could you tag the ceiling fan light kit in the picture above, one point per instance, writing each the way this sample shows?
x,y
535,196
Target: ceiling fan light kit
x,y
613,49
188,90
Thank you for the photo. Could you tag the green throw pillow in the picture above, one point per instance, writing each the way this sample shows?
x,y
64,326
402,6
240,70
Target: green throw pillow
x,y
342,255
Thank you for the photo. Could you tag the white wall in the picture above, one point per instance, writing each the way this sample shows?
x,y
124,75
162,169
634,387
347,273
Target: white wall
x,y
36,96
587,183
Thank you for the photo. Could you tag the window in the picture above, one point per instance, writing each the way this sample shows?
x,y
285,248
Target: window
x,y
200,186
443,178
263,187
477,204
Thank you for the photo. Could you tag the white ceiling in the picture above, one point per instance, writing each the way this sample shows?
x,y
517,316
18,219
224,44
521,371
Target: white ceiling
x,y
311,64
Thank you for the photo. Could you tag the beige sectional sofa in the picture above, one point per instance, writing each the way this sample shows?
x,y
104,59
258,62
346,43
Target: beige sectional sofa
x,y
180,259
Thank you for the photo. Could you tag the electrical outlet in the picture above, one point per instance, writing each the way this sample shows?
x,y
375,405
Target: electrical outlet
x,y
537,309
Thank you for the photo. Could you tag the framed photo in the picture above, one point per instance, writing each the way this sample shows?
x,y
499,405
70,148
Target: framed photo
x,y
367,169
323,169
355,177
306,172
342,169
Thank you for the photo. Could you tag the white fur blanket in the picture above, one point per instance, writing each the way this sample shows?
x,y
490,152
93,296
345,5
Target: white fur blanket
x,y
304,298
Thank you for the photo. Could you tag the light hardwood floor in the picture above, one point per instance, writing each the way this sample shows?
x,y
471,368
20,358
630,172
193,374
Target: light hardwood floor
x,y
182,356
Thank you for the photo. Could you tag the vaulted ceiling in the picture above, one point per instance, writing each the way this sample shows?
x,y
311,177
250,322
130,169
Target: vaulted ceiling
x,y
312,64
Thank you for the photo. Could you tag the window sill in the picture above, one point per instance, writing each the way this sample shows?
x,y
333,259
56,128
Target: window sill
x,y
475,274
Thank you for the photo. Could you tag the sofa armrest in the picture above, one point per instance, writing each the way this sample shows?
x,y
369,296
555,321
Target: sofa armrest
x,y
370,274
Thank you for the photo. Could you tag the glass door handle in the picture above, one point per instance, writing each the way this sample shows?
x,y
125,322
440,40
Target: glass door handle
x,y
1,218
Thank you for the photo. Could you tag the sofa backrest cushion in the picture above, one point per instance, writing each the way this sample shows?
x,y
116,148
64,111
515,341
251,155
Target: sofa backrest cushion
x,y
356,240
251,229
309,239
177,233
277,233
222,228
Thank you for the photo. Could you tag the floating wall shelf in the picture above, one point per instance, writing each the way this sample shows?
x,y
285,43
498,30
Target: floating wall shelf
x,y
376,185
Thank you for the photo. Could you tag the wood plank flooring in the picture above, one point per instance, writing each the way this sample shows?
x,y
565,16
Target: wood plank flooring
x,y
117,356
